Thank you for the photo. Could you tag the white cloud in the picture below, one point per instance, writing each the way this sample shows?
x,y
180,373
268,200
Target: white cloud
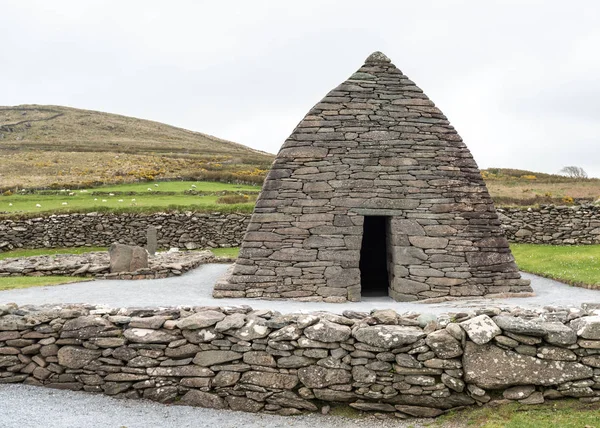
x,y
517,78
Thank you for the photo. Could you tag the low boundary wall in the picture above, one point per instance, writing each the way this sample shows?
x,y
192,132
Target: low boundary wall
x,y
554,225
578,225
180,230
260,360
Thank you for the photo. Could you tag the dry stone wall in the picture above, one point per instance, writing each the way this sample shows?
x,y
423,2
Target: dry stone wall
x,y
375,146
579,225
555,225
97,265
181,230
261,360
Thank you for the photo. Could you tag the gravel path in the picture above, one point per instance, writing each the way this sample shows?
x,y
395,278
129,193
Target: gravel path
x,y
29,406
195,288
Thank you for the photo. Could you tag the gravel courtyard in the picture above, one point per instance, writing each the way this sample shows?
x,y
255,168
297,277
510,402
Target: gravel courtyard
x,y
68,409
195,288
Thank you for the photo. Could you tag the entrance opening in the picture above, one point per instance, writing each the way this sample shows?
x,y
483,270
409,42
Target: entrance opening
x,y
374,279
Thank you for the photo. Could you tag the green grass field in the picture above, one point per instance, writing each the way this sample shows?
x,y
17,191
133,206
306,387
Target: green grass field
x,y
226,252
177,186
577,265
11,282
143,201
28,252
560,414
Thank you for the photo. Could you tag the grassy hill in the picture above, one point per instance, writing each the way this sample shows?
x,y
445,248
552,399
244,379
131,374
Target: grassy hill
x,y
54,146
521,187
60,147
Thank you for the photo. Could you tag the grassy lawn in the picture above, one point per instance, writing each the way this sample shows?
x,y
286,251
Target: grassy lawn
x,y
563,414
144,201
177,186
226,252
11,282
577,265
28,252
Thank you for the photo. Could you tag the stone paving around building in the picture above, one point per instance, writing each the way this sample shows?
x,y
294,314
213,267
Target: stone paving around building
x,y
97,265
195,288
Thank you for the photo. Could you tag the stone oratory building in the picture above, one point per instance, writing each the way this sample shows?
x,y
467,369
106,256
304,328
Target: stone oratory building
x,y
374,194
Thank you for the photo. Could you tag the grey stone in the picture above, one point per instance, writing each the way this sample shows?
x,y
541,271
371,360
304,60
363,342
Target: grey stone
x,y
363,375
453,383
289,399
520,326
370,406
388,336
294,362
183,371
211,358
144,335
232,321
511,368
254,328
326,331
270,380
151,240
419,411
443,344
224,378
73,357
289,332
535,398
203,399
519,392
243,404
321,377
481,329
127,258
200,320
259,358
587,327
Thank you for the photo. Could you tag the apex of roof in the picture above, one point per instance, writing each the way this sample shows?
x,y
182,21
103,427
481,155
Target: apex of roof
x,y
377,57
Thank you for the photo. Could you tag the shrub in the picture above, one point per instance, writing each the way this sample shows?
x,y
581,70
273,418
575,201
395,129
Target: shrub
x,y
529,177
7,193
568,200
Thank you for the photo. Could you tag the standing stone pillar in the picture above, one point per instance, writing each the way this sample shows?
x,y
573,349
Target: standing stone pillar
x,y
151,240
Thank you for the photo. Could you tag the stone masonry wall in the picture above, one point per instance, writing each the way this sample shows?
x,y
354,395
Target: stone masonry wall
x,y
578,225
375,145
555,225
261,360
182,230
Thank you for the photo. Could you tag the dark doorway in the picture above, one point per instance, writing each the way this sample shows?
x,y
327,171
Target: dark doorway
x,y
373,258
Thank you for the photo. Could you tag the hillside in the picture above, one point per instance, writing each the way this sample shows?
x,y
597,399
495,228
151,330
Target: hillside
x,y
62,147
522,187
41,146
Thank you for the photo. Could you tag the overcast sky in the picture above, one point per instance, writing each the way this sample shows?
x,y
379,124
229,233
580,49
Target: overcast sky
x,y
518,79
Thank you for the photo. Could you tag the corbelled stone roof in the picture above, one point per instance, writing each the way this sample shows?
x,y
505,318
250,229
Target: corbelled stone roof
x,y
374,146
